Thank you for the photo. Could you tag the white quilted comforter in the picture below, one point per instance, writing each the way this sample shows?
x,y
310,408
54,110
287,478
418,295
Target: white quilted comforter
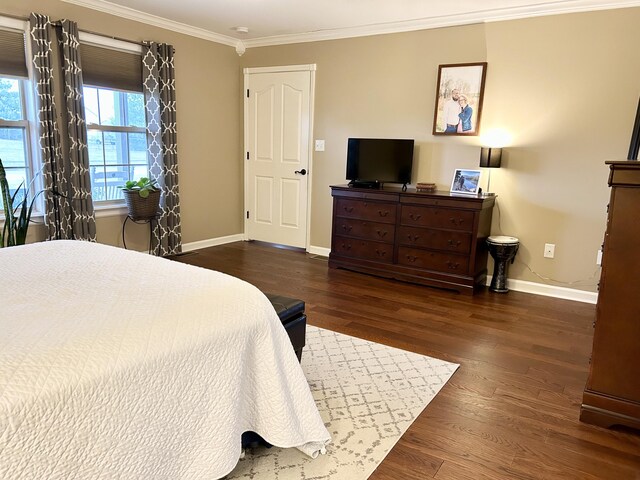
x,y
116,364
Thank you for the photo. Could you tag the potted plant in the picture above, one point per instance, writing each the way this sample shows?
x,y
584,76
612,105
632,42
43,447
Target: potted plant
x,y
142,198
16,215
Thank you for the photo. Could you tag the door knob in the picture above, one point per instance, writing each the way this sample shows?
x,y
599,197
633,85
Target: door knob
x,y
300,172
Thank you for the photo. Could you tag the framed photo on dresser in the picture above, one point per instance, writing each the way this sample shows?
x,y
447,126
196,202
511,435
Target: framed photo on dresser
x,y
465,181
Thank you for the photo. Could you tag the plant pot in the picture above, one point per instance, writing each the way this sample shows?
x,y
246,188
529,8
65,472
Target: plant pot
x,y
142,208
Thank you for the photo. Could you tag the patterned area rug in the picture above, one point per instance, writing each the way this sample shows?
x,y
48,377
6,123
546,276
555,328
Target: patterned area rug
x,y
368,394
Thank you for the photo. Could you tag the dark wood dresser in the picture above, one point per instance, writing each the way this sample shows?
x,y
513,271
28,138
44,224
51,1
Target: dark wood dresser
x,y
436,239
612,394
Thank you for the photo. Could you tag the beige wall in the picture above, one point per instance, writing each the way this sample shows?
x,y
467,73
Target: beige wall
x,y
209,101
564,87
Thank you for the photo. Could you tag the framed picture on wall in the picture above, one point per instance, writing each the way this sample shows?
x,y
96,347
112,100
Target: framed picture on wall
x,y
465,181
459,95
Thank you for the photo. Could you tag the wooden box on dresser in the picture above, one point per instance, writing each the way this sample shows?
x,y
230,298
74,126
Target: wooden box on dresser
x,y
436,239
612,394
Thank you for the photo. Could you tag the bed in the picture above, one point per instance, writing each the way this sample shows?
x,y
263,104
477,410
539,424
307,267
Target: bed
x,y
117,364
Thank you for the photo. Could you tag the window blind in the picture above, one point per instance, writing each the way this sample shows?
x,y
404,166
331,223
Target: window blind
x,y
12,57
109,68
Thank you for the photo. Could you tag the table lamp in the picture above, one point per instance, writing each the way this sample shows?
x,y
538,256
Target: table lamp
x,y
490,158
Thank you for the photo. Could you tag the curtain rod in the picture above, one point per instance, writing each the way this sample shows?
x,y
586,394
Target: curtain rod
x,y
112,37
26,19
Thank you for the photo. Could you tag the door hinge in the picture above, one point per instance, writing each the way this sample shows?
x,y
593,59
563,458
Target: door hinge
x,y
247,93
247,214
247,155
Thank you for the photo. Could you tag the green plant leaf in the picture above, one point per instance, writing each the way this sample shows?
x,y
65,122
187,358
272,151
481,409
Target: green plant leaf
x,y
7,200
14,231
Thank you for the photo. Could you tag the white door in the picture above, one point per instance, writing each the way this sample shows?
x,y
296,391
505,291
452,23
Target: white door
x,y
277,143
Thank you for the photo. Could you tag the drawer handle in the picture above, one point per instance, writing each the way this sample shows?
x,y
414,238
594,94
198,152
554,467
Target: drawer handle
x,y
411,258
348,209
383,214
413,238
459,222
415,216
381,253
347,228
346,246
381,233
453,244
453,265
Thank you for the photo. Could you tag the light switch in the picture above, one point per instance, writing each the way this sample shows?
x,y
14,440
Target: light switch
x,y
319,145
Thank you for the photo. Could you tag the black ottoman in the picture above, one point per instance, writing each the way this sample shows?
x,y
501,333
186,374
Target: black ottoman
x,y
294,320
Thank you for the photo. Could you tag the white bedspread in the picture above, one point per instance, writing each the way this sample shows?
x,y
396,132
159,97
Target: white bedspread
x,y
116,364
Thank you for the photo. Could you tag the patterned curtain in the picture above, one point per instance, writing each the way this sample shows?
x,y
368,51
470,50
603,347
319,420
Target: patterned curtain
x,y
63,137
160,108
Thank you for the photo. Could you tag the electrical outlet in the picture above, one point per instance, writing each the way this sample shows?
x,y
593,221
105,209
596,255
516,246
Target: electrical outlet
x,y
599,258
549,250
319,145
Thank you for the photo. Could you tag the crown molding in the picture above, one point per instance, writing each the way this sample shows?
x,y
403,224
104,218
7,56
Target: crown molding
x,y
480,16
149,19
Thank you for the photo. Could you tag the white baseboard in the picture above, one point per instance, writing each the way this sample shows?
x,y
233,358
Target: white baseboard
x,y
212,242
550,290
240,237
322,251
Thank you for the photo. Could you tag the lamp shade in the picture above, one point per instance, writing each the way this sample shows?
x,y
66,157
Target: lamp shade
x,y
490,157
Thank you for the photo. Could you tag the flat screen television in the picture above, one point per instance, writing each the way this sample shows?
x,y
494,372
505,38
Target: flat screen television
x,y
372,162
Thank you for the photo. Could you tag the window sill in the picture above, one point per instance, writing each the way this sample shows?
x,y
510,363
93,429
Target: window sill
x,y
110,210
34,216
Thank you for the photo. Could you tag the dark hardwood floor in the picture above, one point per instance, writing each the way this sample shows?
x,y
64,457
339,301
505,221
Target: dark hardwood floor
x,y
510,411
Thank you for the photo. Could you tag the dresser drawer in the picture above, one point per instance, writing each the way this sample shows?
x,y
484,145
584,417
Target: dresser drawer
x,y
380,232
365,210
430,260
364,249
453,241
436,217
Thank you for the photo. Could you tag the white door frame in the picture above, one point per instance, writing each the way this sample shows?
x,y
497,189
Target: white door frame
x,y
288,68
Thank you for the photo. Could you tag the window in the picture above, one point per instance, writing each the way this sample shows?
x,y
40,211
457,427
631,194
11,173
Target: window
x,y
116,138
14,134
114,112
